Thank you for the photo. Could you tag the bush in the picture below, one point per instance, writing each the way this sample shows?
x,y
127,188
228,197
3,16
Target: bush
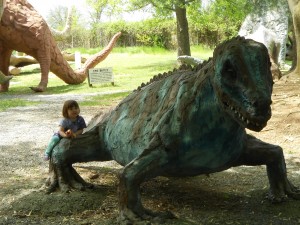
x,y
205,29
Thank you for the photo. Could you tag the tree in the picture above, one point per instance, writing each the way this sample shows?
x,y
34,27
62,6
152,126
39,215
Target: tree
x,y
67,26
179,7
213,28
99,10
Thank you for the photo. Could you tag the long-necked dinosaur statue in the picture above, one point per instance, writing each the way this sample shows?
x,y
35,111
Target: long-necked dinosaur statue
x,y
186,122
23,29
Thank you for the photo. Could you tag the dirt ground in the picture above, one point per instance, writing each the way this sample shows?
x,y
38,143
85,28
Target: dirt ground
x,y
235,196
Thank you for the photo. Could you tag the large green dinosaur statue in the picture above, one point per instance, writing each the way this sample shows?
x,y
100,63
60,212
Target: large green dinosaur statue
x,y
183,123
24,30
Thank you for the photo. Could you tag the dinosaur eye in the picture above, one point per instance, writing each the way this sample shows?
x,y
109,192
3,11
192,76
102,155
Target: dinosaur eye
x,y
228,71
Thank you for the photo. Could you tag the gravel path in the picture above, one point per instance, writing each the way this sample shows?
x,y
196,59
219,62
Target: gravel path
x,y
36,123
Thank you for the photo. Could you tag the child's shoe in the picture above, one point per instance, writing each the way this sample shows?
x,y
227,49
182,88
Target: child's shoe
x,y
46,157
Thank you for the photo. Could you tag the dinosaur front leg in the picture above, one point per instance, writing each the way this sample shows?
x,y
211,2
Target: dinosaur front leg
x,y
44,60
148,165
258,152
5,54
84,148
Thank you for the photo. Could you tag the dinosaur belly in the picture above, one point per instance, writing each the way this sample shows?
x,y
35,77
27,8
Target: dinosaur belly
x,y
207,155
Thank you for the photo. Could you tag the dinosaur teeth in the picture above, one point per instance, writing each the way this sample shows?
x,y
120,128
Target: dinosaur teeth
x,y
243,118
239,115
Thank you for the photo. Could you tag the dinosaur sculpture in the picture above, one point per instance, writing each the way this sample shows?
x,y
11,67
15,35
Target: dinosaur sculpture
x,y
268,24
24,30
183,123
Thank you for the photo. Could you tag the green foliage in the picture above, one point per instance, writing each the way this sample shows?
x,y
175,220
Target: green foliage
x,y
127,50
131,67
152,32
57,17
100,8
105,99
210,26
207,26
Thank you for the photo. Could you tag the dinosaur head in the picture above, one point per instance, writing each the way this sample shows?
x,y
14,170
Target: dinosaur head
x,y
243,82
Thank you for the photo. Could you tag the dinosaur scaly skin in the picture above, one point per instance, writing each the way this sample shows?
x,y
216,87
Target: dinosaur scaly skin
x,y
188,108
184,123
24,30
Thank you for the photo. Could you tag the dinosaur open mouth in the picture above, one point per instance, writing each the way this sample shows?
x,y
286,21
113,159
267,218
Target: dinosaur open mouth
x,y
246,121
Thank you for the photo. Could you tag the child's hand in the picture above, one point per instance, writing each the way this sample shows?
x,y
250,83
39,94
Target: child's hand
x,y
70,134
46,157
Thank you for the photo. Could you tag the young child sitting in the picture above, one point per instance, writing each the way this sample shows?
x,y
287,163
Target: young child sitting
x,y
69,127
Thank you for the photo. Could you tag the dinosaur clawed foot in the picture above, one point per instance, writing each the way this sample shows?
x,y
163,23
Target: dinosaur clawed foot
x,y
65,178
292,191
144,216
282,194
40,88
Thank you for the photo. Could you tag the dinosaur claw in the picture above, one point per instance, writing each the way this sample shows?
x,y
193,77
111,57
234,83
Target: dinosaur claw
x,y
38,89
144,217
282,195
275,199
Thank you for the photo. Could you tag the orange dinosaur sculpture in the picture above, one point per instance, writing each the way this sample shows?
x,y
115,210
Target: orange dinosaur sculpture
x,y
23,29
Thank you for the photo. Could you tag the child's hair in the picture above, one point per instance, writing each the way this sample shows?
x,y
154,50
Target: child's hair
x,y
68,105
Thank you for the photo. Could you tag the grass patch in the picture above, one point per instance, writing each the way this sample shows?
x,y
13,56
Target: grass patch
x,y
104,100
201,52
5,104
126,50
131,67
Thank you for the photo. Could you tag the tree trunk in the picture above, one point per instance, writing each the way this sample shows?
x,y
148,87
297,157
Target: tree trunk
x,y
183,38
294,6
293,50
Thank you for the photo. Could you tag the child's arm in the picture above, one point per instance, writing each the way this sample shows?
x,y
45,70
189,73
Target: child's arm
x,y
77,133
64,134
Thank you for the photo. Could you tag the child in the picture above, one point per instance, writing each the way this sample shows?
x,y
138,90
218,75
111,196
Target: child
x,y
69,127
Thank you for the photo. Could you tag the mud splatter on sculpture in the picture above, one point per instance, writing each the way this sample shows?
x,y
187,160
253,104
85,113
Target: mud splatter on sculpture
x,y
24,30
186,122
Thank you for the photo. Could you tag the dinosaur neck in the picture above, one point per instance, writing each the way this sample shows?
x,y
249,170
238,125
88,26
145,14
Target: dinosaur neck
x,y
197,106
61,68
99,57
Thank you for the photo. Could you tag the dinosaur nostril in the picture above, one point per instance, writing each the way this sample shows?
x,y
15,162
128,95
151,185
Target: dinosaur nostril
x,y
255,103
262,107
262,103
